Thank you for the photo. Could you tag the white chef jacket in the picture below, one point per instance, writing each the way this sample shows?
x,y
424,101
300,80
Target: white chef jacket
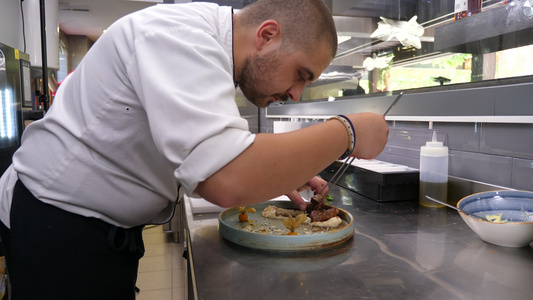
x,y
150,107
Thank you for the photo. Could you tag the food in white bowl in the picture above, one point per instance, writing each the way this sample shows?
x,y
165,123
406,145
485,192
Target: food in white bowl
x,y
510,215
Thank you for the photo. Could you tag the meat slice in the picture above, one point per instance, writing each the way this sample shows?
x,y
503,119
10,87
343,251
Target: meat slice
x,y
315,203
323,215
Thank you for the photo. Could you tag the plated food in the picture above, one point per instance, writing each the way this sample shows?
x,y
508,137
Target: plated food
x,y
266,230
327,218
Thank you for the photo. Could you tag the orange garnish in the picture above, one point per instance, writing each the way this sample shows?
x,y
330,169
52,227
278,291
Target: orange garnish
x,y
243,217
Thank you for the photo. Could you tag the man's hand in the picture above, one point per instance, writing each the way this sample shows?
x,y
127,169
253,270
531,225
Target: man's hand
x,y
316,184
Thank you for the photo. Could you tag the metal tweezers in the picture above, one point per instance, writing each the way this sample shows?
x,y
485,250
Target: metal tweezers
x,y
393,103
345,164
313,203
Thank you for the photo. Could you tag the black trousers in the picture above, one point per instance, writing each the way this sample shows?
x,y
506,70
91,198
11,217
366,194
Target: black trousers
x,y
54,254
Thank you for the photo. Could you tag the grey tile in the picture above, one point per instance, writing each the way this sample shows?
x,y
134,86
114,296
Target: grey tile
x,y
470,102
410,137
507,139
522,174
400,160
402,151
514,99
403,146
461,136
492,169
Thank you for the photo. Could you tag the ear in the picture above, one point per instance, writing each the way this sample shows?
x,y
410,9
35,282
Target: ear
x,y
267,34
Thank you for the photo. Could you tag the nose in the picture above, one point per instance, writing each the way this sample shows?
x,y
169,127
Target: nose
x,y
295,92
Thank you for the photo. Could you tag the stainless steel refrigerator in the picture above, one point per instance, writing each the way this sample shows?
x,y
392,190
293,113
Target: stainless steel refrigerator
x,y
15,93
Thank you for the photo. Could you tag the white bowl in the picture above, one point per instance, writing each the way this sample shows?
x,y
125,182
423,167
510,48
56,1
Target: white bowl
x,y
516,209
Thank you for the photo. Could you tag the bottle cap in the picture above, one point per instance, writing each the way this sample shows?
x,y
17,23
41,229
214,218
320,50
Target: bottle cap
x,y
434,148
434,142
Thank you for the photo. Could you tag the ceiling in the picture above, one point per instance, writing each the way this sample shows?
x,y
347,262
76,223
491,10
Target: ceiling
x,y
91,17
354,18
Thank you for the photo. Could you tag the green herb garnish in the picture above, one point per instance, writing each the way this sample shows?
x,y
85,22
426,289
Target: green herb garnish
x,y
329,199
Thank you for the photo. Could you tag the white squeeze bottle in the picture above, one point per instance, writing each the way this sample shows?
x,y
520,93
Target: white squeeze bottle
x,y
433,172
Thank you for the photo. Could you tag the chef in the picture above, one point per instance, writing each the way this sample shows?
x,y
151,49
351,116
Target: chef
x,y
149,114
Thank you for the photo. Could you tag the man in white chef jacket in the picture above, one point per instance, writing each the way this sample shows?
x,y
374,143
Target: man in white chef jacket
x,y
150,112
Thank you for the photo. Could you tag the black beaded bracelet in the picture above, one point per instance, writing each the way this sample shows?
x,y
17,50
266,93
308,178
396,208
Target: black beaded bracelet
x,y
351,133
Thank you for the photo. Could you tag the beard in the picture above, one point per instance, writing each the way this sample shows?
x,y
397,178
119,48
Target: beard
x,y
256,76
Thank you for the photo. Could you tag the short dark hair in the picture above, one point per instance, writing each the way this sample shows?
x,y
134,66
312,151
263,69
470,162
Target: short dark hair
x,y
304,23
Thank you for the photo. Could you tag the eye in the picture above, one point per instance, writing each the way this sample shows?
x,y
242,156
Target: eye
x,y
301,77
305,75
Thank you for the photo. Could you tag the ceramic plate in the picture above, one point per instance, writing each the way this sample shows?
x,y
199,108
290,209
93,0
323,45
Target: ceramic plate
x,y
233,230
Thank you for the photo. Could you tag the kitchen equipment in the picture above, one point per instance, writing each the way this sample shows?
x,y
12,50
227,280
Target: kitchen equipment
x,y
515,208
15,92
457,209
433,172
378,180
231,229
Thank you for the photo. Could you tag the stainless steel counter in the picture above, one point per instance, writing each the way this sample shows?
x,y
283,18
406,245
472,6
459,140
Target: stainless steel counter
x,y
399,251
